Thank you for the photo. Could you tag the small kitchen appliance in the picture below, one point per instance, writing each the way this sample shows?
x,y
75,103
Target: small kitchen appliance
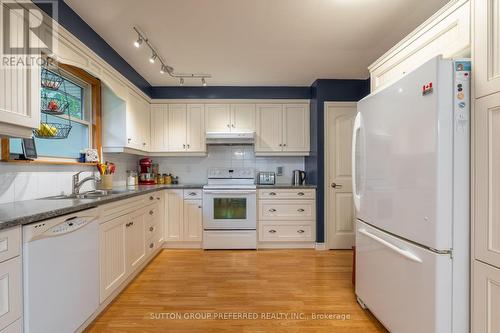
x,y
146,175
266,178
298,177
230,209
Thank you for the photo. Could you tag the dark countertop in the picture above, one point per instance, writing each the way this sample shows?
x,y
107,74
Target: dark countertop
x,y
288,186
30,211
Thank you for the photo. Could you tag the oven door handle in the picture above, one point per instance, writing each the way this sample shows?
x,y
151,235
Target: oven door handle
x,y
229,191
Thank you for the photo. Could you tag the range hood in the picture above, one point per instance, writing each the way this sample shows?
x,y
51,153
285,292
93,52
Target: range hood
x,y
224,138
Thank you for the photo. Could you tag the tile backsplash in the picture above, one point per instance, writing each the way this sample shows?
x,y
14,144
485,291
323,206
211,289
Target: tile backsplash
x,y
194,169
25,182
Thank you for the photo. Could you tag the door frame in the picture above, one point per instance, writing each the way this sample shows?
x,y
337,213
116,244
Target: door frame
x,y
327,211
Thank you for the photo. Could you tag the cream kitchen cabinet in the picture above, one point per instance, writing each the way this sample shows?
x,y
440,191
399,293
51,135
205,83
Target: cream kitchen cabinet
x,y
230,117
486,179
20,88
282,129
486,47
183,218
159,128
486,298
135,240
10,276
138,128
446,33
192,226
186,128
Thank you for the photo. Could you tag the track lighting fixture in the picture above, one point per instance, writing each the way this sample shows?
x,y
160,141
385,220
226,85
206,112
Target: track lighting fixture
x,y
164,67
153,58
138,42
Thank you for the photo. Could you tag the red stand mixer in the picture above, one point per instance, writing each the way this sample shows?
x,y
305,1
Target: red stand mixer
x,y
146,176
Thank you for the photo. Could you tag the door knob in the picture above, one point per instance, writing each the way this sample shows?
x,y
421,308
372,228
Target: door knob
x,y
335,185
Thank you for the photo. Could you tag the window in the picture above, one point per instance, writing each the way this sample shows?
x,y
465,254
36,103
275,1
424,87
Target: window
x,y
83,95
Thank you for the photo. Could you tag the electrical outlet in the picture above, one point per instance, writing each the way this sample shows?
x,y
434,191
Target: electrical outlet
x,y
279,171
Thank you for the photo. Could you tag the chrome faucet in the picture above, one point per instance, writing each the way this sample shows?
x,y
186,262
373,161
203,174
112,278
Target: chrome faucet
x,y
77,183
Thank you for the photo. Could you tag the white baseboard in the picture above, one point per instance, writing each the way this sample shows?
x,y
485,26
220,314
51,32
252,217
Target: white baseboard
x,y
285,245
320,246
182,245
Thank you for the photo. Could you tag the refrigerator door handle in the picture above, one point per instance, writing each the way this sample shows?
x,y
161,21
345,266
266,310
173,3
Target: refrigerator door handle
x,y
357,127
404,253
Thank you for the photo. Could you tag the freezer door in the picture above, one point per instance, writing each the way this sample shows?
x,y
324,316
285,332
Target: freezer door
x,y
403,151
408,288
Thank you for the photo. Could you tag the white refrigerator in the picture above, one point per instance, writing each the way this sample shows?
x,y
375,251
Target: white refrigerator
x,y
411,194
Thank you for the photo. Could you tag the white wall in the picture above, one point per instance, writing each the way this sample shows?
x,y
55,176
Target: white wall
x,y
194,169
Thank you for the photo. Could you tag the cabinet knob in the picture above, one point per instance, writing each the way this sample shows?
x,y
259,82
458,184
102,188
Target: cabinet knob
x,y
157,198
129,140
228,126
300,210
188,145
184,146
192,193
272,210
284,145
199,207
272,231
281,145
151,212
232,125
272,193
151,245
144,143
301,194
151,229
300,231
151,198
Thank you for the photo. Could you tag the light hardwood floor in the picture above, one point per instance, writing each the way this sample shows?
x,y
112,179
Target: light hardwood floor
x,y
265,281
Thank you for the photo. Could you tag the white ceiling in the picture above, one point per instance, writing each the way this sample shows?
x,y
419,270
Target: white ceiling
x,y
256,42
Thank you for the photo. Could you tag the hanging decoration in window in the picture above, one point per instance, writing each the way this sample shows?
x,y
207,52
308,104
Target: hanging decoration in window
x,y
56,118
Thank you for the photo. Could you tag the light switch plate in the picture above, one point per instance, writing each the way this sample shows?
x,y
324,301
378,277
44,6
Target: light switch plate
x,y
279,171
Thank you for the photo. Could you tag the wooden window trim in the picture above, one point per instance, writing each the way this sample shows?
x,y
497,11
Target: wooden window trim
x,y
96,128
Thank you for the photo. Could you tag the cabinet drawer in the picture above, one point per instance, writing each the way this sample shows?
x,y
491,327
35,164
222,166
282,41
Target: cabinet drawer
x,y
287,194
283,210
152,212
153,197
192,194
10,286
286,232
122,207
152,245
485,298
152,229
10,243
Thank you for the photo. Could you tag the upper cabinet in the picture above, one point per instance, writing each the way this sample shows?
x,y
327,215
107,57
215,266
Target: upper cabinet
x,y
138,136
446,33
20,88
282,129
486,47
230,117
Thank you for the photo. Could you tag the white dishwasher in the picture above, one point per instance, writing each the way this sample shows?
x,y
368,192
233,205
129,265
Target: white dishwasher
x,y
61,272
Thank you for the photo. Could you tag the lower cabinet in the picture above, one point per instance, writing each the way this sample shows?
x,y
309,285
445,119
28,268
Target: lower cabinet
x,y
127,241
286,218
183,222
11,280
486,298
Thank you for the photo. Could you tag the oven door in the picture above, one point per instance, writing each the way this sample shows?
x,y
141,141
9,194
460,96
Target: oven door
x,y
229,209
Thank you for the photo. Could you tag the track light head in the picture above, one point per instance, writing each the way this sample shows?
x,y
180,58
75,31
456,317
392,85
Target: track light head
x,y
163,69
181,81
203,82
138,42
153,58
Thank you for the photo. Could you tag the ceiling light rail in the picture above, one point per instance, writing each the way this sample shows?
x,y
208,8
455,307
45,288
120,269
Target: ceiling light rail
x,y
164,67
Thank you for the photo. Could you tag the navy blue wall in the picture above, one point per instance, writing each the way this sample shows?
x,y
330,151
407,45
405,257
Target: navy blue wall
x,y
231,92
322,91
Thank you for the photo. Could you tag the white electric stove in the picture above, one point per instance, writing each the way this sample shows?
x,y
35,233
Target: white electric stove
x,y
230,209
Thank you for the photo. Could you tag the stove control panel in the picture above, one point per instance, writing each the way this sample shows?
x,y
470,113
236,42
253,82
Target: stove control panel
x,y
231,173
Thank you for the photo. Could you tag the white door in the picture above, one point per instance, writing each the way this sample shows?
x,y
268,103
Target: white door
x,y
486,299
195,128
159,129
269,131
243,117
174,215
20,88
218,117
339,122
177,127
112,261
296,128
486,47
486,210
135,240
192,220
